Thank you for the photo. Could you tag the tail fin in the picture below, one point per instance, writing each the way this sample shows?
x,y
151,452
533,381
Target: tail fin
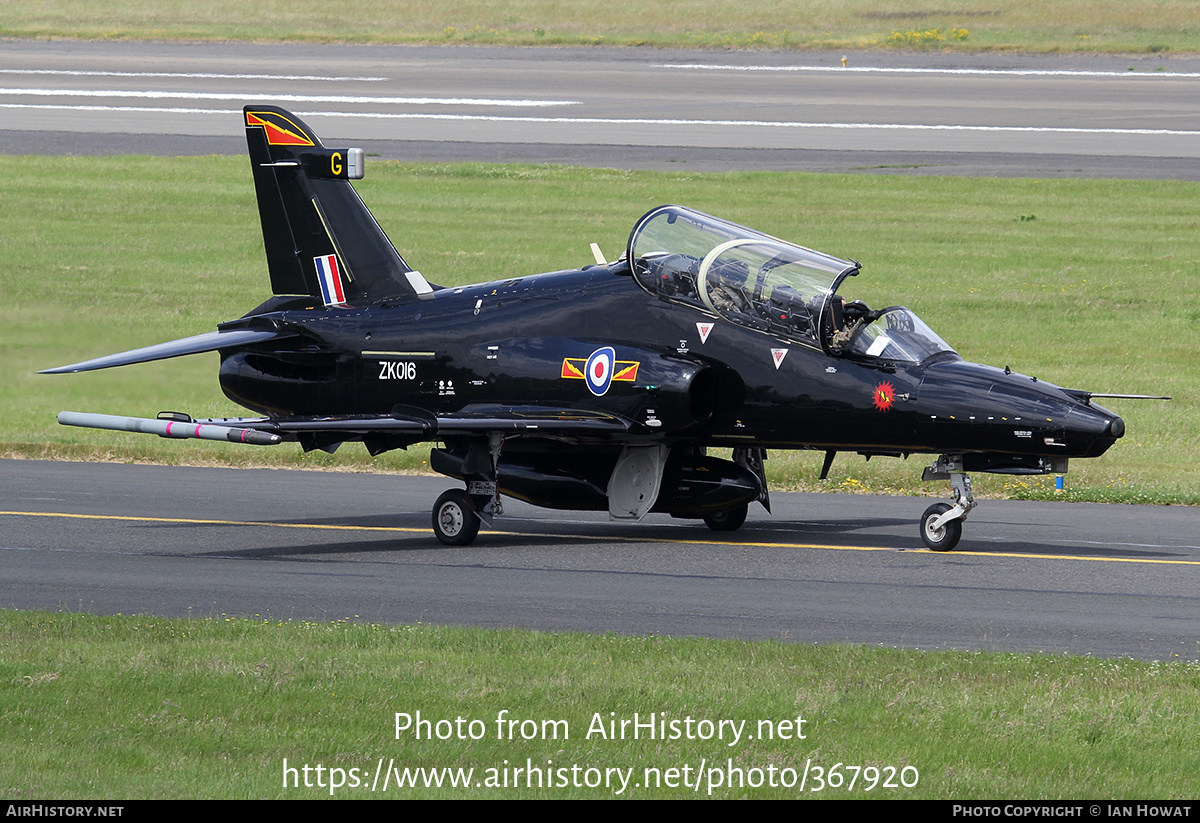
x,y
320,238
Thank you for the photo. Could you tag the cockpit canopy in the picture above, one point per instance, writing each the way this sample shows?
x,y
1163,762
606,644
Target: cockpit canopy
x,y
759,281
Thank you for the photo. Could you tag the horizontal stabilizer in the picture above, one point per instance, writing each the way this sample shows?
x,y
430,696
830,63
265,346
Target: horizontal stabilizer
x,y
209,341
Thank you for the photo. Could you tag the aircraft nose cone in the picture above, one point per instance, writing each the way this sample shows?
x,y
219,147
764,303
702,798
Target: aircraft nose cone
x,y
1117,427
1092,429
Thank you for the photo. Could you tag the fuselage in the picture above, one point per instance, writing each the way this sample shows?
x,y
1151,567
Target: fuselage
x,y
677,371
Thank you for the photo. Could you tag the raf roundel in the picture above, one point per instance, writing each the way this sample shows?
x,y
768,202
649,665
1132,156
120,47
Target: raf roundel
x,y
599,370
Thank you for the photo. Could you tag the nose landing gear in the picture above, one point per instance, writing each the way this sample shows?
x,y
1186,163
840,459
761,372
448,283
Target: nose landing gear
x,y
941,524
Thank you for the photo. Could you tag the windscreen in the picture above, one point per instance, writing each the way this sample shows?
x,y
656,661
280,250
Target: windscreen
x,y
895,334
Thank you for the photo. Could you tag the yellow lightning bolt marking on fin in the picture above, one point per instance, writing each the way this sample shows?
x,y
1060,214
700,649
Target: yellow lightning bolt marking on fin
x,y
291,137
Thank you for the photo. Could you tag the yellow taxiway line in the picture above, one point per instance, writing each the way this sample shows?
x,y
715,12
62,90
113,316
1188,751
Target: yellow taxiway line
x,y
601,538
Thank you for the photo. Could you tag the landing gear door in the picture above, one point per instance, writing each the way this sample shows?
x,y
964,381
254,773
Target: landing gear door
x,y
636,480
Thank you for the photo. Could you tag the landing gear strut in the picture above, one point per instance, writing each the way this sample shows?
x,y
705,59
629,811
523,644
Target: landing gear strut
x,y
941,525
457,514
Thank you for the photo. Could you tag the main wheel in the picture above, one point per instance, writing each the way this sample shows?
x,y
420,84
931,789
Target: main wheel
x,y
945,538
454,521
729,520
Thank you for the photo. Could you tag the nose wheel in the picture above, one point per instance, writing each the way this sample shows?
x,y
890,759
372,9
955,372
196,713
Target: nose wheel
x,y
941,538
942,523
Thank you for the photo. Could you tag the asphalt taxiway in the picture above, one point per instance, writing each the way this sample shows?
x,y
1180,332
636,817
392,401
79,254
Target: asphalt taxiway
x,y
1105,580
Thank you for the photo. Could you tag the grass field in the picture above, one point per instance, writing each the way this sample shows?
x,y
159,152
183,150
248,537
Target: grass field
x,y
1084,270
1129,26
138,707
1084,283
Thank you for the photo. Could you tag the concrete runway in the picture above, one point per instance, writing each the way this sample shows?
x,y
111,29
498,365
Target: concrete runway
x,y
1111,581
996,115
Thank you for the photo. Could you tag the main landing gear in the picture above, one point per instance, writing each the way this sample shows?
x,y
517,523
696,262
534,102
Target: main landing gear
x,y
454,519
699,484
731,519
458,514
728,520
941,525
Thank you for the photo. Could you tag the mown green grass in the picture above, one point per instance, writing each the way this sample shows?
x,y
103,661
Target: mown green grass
x,y
141,707
1085,283
1134,26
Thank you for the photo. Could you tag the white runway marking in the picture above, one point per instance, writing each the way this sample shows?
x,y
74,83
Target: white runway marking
x,y
201,75
623,121
286,98
1141,75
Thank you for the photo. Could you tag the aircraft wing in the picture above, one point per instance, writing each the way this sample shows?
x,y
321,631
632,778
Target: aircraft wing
x,y
427,426
404,426
209,341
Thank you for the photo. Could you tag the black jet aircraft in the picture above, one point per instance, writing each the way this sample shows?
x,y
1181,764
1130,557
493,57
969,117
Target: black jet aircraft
x,y
603,387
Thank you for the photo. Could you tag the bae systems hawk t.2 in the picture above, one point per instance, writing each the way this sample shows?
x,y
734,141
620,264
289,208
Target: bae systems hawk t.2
x,y
603,387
